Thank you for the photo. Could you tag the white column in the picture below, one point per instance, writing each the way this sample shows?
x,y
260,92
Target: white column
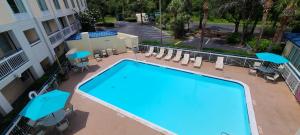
x,y
4,105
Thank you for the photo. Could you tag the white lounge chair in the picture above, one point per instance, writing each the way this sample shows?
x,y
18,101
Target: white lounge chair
x,y
177,58
198,62
169,55
220,63
161,53
150,52
272,78
185,59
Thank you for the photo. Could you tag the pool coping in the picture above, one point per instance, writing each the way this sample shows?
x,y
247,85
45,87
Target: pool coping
x,y
122,112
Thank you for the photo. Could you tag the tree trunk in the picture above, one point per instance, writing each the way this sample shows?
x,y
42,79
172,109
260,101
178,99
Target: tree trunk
x,y
254,26
267,8
200,21
205,16
236,27
142,21
288,14
280,29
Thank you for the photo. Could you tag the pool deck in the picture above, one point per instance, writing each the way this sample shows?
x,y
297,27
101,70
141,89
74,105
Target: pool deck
x,y
277,111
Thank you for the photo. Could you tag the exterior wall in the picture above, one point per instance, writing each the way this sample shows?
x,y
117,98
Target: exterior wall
x,y
119,42
35,52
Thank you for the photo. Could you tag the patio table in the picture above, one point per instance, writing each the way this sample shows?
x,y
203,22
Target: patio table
x,y
53,119
266,70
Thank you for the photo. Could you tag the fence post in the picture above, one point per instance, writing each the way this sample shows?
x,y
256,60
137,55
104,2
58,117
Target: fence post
x,y
245,62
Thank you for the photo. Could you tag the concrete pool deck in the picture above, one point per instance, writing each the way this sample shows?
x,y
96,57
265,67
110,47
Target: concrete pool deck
x,y
277,111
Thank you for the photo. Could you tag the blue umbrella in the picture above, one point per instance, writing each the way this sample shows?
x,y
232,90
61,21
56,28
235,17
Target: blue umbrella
x,y
270,57
45,104
80,55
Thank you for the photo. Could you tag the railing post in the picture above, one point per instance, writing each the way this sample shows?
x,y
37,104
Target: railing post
x,y
245,62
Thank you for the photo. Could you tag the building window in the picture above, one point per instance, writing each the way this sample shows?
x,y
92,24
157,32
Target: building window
x,y
7,47
63,22
42,4
50,27
66,3
56,4
73,4
17,6
31,36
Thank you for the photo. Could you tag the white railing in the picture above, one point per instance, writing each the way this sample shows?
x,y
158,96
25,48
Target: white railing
x,y
212,57
67,31
289,73
55,37
11,63
291,78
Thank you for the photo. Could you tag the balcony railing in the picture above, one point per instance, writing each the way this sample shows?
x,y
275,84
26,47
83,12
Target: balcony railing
x,y
55,37
11,63
67,31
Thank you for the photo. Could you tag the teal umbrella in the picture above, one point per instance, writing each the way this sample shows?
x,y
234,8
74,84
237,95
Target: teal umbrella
x,y
45,104
270,57
80,55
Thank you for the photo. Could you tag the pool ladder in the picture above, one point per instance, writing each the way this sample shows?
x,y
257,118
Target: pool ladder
x,y
224,133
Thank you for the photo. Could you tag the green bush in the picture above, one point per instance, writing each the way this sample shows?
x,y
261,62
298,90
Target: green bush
x,y
130,19
233,38
261,46
277,49
269,31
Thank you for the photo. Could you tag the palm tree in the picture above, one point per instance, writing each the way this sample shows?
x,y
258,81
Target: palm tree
x,y
204,21
267,7
286,17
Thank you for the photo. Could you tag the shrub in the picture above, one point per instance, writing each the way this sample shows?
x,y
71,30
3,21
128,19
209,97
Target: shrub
x,y
130,19
233,38
269,31
261,46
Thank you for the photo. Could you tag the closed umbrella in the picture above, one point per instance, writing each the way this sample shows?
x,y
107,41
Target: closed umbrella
x,y
270,57
46,104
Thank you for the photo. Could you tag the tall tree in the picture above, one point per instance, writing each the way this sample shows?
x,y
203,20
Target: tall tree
x,y
287,15
267,7
205,8
232,10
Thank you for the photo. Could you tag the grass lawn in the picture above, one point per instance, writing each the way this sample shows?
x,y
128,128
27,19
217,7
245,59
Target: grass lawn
x,y
110,19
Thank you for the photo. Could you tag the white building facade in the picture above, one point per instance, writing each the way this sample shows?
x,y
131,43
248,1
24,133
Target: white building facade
x,y
32,33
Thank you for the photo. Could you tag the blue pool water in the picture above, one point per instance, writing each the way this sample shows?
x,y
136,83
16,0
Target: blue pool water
x,y
181,102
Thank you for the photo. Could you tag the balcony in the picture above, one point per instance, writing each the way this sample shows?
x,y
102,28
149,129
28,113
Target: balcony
x,y
67,32
12,63
56,37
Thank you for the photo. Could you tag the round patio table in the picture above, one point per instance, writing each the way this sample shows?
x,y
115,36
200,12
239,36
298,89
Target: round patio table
x,y
53,119
266,70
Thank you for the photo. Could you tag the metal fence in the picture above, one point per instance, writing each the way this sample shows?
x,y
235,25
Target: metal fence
x,y
54,38
11,63
288,72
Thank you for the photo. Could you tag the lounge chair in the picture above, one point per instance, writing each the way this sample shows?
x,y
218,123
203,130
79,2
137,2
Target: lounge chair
x,y
198,62
177,58
185,59
150,52
252,71
104,53
97,57
161,53
220,63
272,78
169,55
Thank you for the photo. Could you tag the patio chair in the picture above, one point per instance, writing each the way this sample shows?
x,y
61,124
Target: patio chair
x,y
272,78
161,53
104,53
63,125
150,52
169,55
198,62
177,58
69,110
97,57
252,71
220,63
257,65
185,59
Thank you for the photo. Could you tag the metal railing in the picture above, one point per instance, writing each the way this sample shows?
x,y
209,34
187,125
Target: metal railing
x,y
55,37
67,31
288,72
211,57
11,63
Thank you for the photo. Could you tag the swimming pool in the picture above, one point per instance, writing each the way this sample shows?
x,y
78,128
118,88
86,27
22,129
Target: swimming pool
x,y
180,102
